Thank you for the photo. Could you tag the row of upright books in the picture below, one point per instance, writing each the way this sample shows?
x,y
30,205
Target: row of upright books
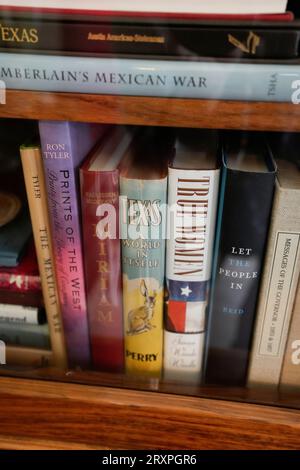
x,y
168,253
23,327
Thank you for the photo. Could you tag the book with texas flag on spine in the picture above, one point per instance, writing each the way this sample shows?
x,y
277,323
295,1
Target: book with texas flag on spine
x,y
193,185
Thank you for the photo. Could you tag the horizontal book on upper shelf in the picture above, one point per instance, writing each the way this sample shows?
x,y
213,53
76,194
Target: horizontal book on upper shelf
x,y
209,79
167,83
256,61
224,73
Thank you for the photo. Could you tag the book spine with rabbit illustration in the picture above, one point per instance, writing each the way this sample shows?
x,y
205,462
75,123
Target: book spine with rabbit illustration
x,y
192,205
142,219
102,256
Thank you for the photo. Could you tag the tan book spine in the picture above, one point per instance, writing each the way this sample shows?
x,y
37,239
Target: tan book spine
x,y
28,357
290,374
38,206
278,289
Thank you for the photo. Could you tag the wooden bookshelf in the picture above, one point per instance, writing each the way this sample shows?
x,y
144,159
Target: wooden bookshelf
x,y
152,111
49,409
39,414
268,396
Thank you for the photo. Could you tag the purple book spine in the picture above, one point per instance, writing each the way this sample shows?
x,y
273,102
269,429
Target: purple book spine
x,y
64,146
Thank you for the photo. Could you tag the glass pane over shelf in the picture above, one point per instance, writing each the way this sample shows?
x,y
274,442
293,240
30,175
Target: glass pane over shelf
x,y
149,202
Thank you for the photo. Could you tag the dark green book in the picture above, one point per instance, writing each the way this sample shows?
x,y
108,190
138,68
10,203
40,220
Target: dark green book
x,y
28,335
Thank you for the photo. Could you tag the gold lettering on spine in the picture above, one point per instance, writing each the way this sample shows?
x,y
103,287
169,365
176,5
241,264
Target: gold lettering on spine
x,y
137,38
104,313
252,43
18,35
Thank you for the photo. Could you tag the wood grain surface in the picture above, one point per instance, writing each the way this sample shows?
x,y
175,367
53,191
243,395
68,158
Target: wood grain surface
x,y
262,395
34,413
152,111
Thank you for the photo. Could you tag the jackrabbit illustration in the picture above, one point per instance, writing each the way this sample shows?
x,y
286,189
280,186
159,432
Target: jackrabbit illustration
x,y
139,319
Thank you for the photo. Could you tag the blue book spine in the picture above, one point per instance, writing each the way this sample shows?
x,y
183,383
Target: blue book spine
x,y
246,197
161,78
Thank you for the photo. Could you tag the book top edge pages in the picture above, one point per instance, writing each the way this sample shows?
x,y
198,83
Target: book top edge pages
x,y
148,155
195,149
288,175
248,155
285,148
176,6
109,153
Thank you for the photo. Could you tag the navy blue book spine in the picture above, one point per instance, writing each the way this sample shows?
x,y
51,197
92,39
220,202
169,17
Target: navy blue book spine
x,y
244,211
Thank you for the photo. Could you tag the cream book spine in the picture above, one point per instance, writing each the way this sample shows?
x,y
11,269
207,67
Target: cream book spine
x,y
290,374
278,288
38,206
28,357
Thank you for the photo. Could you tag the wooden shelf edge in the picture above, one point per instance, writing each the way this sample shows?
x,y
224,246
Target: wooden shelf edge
x,y
151,111
21,443
35,412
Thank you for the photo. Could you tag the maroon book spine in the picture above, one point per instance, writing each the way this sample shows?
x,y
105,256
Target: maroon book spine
x,y
132,15
102,268
23,278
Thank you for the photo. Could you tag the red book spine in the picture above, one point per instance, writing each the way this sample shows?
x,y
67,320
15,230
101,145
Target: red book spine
x,y
115,14
19,282
23,278
102,269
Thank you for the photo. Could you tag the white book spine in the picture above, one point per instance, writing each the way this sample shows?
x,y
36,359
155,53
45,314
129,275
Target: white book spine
x,y
183,355
192,208
174,6
18,314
